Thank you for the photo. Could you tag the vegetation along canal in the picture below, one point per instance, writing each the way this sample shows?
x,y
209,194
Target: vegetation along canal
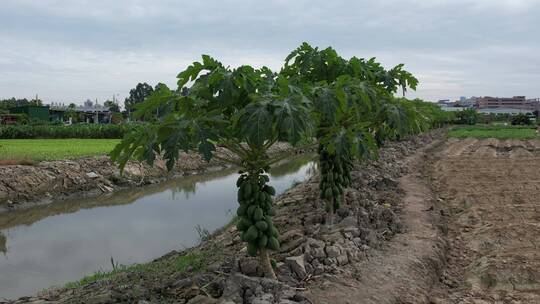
x,y
62,242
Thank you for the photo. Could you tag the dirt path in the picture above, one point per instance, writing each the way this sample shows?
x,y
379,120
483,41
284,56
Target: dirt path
x,y
405,270
490,190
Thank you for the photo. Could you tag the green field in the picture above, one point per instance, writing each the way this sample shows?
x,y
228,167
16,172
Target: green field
x,y
494,131
53,149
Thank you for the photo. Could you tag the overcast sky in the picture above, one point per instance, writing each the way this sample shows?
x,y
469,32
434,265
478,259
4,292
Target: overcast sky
x,y
69,51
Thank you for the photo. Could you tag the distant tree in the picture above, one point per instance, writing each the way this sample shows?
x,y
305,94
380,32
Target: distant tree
x,y
14,102
467,117
137,95
521,119
536,113
113,106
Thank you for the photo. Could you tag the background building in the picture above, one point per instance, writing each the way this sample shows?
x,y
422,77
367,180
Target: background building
x,y
516,102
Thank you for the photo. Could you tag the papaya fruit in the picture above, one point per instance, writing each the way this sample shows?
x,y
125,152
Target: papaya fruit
x,y
246,223
328,193
250,210
274,231
273,243
261,225
263,241
258,214
252,249
239,181
270,190
241,211
251,233
246,188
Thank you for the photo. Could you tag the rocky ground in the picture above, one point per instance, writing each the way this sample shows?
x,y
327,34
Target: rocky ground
x,y
351,262
23,186
490,193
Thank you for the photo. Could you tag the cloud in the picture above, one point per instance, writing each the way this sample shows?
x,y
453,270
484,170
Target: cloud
x,y
73,50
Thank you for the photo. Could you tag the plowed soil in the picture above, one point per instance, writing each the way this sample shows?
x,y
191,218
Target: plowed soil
x,y
490,192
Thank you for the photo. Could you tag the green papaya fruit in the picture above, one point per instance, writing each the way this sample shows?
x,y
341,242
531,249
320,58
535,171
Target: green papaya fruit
x,y
243,224
239,181
269,200
258,214
273,243
271,212
328,193
274,231
251,233
241,211
335,191
252,249
240,194
246,190
261,225
250,210
270,190
327,208
263,241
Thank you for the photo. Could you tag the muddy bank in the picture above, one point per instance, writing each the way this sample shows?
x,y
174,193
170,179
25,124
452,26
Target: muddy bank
x,y
313,258
26,186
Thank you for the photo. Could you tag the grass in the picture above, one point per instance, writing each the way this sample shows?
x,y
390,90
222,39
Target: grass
x,y
53,149
494,131
193,261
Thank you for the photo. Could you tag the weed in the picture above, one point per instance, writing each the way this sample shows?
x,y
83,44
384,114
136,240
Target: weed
x,y
193,261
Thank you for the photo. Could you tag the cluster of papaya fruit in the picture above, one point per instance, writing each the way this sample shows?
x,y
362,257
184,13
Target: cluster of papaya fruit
x,y
335,177
255,212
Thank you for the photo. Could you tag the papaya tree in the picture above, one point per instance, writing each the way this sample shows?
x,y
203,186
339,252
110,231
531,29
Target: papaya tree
x,y
343,136
353,106
342,103
244,111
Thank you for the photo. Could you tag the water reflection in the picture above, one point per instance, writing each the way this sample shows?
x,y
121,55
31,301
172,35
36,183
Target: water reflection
x,y
3,244
62,242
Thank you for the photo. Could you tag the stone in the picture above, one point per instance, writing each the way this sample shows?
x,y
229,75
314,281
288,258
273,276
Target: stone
x,y
318,253
315,243
263,299
290,235
342,259
297,265
357,241
100,298
92,175
332,251
250,267
200,299
239,286
354,231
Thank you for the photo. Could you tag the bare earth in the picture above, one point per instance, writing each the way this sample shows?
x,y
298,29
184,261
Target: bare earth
x,y
490,190
406,269
472,216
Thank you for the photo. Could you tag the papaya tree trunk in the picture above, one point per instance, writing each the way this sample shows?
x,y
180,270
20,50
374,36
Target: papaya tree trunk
x,y
266,264
330,214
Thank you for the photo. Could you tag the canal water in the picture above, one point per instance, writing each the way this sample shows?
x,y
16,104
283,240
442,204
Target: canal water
x,y
62,242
